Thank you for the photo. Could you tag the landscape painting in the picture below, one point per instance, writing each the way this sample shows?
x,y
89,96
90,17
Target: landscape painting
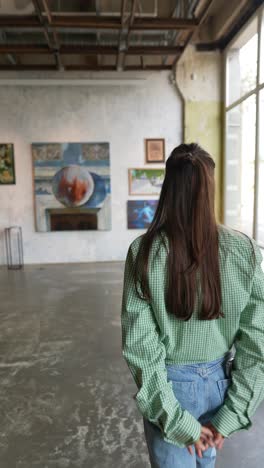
x,y
140,213
7,164
145,181
72,186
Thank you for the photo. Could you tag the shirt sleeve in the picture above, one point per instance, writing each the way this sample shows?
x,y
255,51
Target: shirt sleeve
x,y
247,388
145,355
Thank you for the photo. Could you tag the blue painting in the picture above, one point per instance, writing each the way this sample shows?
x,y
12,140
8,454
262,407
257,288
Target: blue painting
x,y
72,186
140,213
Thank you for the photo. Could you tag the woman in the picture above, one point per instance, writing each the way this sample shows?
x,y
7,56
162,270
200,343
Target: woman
x,y
193,288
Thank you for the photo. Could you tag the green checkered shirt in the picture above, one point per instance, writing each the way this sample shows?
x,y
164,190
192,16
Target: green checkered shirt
x,y
152,338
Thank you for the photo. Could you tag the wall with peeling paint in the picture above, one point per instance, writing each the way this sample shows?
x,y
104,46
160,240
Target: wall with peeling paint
x,y
123,115
198,77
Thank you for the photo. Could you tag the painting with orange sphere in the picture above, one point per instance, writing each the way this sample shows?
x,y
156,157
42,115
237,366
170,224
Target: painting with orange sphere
x,y
72,186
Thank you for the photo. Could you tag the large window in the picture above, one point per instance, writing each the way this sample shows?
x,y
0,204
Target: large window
x,y
244,130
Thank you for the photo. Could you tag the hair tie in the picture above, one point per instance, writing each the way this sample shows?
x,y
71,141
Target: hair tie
x,y
190,157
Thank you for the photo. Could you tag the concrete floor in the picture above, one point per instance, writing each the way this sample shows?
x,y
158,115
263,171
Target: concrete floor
x,y
65,390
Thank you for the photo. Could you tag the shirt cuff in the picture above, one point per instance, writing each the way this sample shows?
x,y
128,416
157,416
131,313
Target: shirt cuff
x,y
227,422
187,431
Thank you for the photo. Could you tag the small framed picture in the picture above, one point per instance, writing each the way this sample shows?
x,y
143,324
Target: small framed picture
x,y
155,150
7,164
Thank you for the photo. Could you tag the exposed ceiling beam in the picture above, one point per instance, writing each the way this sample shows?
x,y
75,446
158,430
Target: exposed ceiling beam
x,y
119,60
208,46
88,50
84,67
147,67
47,10
172,35
53,47
154,50
20,67
143,23
41,21
98,22
98,32
19,21
55,36
131,21
24,49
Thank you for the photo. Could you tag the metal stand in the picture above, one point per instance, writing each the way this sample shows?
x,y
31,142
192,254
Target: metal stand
x,y
14,248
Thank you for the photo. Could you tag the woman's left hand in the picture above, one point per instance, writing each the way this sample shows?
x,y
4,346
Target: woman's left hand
x,y
205,441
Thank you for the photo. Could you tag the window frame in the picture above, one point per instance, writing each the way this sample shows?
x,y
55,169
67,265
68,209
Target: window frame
x,y
259,15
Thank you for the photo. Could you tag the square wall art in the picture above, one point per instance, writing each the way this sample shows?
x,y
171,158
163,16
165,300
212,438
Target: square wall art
x,y
7,164
72,186
140,213
155,150
145,181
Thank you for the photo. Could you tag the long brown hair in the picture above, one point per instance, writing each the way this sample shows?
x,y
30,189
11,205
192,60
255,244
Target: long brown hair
x,y
185,215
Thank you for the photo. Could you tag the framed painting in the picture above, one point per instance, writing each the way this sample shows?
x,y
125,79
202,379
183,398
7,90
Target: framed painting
x,y
145,181
72,186
140,213
155,150
7,164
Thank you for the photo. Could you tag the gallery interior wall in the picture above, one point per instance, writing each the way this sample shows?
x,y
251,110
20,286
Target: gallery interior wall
x,y
123,115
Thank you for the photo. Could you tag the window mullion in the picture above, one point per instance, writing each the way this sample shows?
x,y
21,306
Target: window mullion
x,y
257,162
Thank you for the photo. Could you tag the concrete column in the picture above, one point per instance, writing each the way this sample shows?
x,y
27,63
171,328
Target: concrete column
x,y
198,79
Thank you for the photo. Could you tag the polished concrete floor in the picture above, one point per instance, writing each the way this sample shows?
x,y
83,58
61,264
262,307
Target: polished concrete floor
x,y
65,390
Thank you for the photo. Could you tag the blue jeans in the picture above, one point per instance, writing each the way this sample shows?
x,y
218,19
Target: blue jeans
x,y
200,389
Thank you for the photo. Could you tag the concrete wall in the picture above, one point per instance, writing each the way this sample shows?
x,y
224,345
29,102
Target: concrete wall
x,y
122,114
199,78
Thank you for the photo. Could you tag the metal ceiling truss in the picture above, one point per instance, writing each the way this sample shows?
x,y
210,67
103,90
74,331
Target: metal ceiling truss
x,y
80,41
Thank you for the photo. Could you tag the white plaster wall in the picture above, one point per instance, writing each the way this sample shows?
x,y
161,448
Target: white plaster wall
x,y
123,115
